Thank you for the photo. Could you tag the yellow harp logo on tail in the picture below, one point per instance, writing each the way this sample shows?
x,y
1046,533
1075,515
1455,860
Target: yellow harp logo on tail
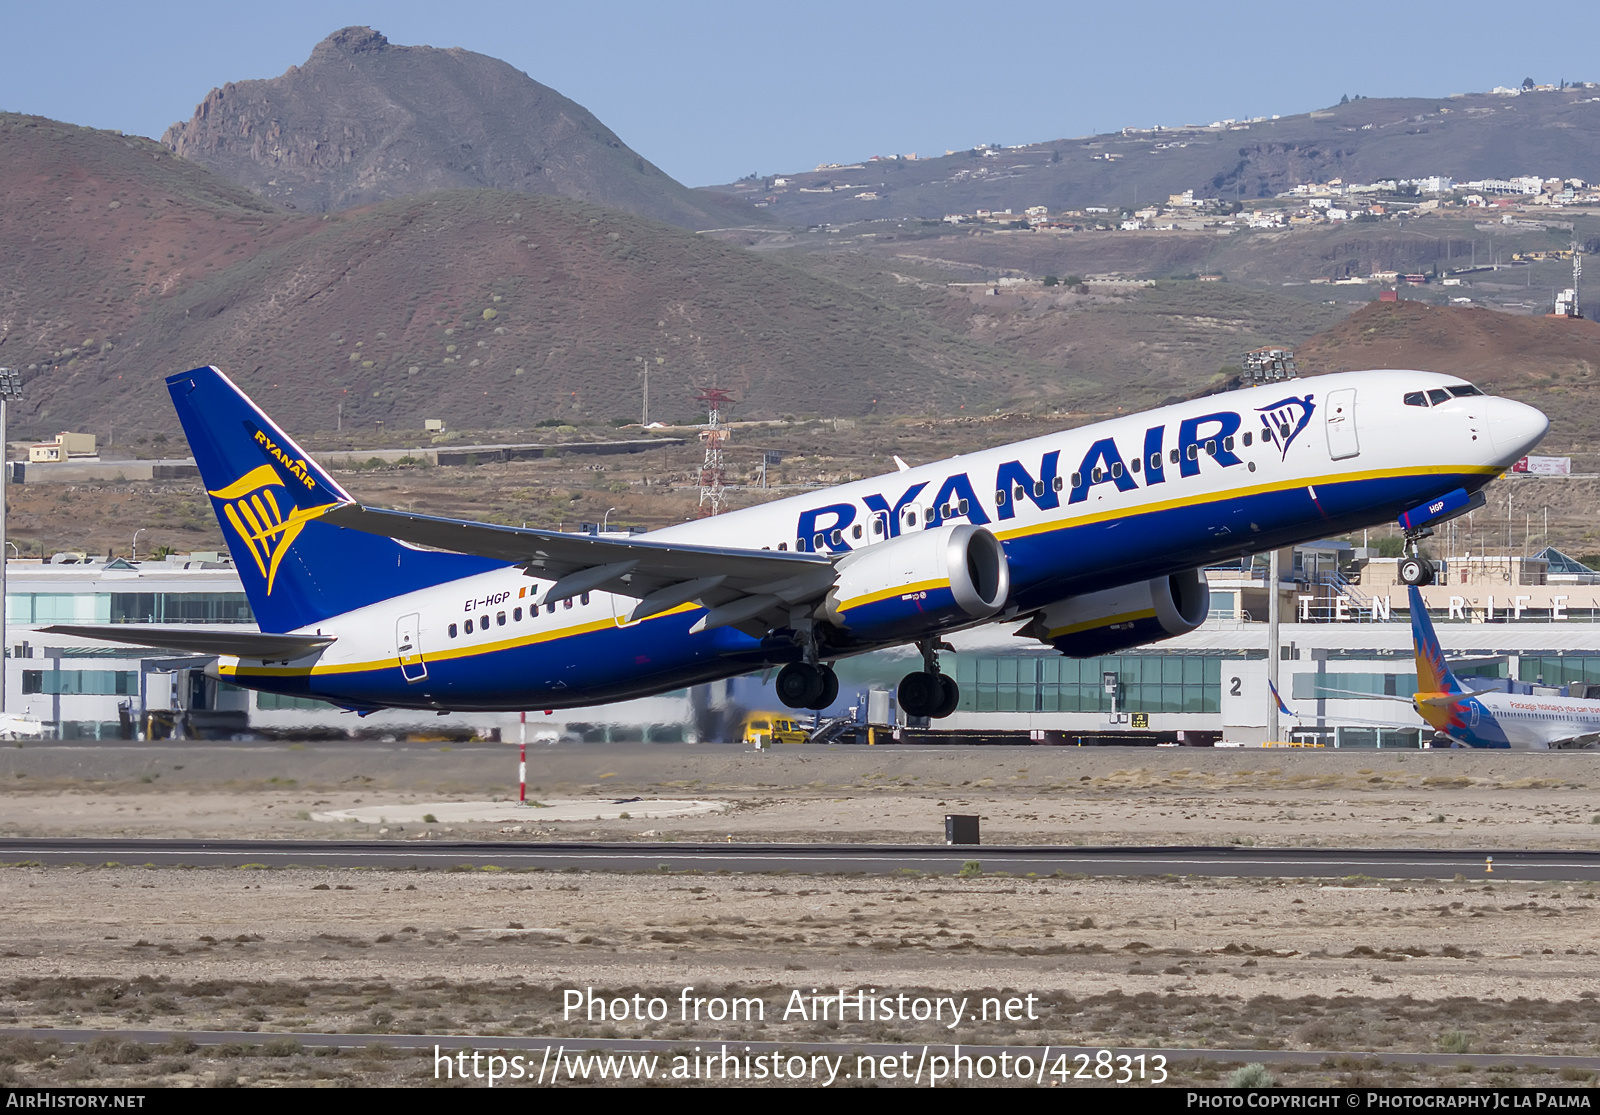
x,y
262,524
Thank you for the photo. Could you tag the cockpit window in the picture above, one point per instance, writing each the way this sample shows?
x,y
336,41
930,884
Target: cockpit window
x,y
1438,395
1462,390
1416,399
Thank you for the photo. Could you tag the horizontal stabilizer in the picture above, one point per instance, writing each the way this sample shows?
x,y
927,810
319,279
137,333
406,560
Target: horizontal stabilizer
x,y
243,644
1445,700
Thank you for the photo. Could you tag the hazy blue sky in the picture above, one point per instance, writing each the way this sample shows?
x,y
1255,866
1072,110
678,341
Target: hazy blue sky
x,y
711,91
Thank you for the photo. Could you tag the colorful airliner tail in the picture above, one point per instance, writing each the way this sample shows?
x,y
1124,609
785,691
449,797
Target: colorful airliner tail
x,y
268,495
1433,675
1283,709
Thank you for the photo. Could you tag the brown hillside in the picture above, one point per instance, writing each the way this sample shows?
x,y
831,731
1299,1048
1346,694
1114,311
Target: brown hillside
x,y
95,227
364,121
1551,363
494,310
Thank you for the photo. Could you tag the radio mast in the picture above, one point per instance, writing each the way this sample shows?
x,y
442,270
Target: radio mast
x,y
712,475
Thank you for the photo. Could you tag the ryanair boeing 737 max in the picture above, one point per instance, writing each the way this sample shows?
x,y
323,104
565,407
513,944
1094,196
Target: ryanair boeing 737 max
x,y
1090,540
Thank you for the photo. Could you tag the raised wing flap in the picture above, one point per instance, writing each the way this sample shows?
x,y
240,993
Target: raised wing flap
x,y
632,567
243,644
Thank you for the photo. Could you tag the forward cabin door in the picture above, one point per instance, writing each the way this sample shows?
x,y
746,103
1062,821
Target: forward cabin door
x,y
408,644
1341,424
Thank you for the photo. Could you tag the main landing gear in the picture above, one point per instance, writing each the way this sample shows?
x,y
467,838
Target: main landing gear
x,y
808,685
928,692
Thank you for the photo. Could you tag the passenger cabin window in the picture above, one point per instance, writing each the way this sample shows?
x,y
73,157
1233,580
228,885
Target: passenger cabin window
x,y
500,619
468,626
1438,395
452,631
1248,437
1416,399
516,614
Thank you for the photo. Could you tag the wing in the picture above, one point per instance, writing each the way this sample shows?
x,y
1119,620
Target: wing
x,y
1588,741
1442,700
752,590
244,644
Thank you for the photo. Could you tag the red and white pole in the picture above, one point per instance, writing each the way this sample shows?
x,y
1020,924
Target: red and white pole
x,y
522,760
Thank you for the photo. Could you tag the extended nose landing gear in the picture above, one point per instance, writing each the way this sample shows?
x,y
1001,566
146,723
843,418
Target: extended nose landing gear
x,y
1414,568
1418,523
928,692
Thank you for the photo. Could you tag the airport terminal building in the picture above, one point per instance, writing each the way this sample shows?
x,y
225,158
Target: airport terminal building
x,y
1345,651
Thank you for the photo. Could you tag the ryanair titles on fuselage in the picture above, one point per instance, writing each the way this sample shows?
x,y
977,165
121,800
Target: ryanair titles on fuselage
x,y
829,527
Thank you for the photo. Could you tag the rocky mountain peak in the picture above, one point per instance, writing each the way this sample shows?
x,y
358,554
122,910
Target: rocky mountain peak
x,y
352,40
365,121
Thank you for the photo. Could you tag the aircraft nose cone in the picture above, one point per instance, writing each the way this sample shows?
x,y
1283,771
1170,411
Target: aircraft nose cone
x,y
1514,428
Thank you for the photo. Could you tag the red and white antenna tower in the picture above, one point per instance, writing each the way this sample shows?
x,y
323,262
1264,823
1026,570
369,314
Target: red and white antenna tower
x,y
712,476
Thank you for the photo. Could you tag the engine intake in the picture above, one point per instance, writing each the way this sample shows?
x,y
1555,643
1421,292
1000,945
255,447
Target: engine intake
x,y
1119,618
919,584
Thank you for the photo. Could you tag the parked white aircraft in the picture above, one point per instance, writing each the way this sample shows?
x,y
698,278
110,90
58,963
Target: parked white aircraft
x,y
1487,717
1089,539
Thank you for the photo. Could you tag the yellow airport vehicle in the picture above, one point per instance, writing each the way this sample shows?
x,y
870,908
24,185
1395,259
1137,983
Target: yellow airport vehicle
x,y
766,728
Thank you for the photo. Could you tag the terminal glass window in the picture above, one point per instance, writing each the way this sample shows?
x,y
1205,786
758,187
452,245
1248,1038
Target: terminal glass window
x,y
128,607
57,607
265,700
1561,670
1035,683
1352,687
104,683
180,607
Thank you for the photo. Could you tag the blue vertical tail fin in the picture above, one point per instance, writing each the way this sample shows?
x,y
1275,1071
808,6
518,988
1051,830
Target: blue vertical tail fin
x,y
268,494
1433,675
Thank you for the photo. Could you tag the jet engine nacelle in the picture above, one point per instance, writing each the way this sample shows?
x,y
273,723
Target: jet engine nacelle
x,y
1120,618
919,584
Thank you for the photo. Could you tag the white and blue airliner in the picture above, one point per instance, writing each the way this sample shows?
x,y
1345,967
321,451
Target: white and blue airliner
x,y
1090,540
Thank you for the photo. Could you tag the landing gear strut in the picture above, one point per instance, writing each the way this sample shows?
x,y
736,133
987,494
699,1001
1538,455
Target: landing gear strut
x,y
809,683
1414,569
928,692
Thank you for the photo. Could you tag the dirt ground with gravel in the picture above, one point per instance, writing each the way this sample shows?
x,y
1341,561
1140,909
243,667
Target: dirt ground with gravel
x,y
1484,965
1025,795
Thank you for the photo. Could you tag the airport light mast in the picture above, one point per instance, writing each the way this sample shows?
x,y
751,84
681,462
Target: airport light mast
x,y
10,388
